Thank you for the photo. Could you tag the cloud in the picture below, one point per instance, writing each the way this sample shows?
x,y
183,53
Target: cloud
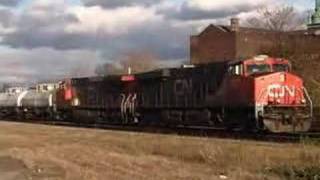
x,y
161,38
120,3
7,19
163,28
9,2
199,9
109,31
53,38
111,21
45,64
39,25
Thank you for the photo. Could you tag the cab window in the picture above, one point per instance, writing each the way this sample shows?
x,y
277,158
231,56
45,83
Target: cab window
x,y
258,68
281,68
236,69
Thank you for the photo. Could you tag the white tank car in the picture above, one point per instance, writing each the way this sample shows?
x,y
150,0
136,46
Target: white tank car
x,y
8,100
35,99
8,104
34,104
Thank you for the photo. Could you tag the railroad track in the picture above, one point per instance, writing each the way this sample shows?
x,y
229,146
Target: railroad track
x,y
190,131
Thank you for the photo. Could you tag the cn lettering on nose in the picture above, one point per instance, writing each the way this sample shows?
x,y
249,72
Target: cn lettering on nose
x,y
279,91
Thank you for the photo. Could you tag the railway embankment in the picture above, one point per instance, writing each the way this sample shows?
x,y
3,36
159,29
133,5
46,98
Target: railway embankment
x,y
49,152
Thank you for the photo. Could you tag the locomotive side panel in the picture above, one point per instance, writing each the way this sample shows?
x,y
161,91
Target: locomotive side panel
x,y
184,96
103,99
80,100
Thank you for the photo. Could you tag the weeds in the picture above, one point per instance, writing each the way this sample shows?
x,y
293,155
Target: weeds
x,y
94,154
296,173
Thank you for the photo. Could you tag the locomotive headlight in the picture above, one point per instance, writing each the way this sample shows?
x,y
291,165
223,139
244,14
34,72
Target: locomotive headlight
x,y
282,78
76,102
303,101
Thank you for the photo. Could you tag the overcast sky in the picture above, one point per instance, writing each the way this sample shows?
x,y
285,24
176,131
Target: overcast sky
x,y
41,39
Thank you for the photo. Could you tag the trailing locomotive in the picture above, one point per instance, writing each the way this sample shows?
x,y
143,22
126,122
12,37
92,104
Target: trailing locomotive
x,y
255,94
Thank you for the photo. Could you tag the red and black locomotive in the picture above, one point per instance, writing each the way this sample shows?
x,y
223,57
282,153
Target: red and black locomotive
x,y
255,94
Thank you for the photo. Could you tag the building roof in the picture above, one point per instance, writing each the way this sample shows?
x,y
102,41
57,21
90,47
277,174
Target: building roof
x,y
228,29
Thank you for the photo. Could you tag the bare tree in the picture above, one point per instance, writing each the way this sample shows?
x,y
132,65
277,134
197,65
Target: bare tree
x,y
108,69
280,18
138,61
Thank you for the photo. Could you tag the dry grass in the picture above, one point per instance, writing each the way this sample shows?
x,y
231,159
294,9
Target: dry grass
x,y
68,153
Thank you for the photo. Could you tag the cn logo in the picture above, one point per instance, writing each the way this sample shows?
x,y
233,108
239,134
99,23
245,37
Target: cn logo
x,y
278,91
182,87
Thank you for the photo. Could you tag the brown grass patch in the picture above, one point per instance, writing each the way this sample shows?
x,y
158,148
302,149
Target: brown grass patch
x,y
97,154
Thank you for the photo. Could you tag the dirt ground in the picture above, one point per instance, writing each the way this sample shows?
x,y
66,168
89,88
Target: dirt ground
x,y
45,152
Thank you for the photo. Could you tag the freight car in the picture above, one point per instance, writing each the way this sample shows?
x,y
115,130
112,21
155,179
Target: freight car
x,y
8,104
34,104
28,104
255,94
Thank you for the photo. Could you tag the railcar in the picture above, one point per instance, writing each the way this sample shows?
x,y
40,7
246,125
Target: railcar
x,y
260,93
35,104
8,104
29,103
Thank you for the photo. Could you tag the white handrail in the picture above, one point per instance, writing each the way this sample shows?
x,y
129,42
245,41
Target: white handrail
x,y
123,97
310,101
20,97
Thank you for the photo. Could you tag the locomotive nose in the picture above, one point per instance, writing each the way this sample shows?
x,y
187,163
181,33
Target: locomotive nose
x,y
285,89
285,108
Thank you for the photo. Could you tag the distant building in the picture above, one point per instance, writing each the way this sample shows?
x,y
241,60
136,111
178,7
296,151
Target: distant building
x,y
15,90
220,43
47,87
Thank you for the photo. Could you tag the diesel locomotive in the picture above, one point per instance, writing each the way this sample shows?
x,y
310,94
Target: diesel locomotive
x,y
260,93
257,94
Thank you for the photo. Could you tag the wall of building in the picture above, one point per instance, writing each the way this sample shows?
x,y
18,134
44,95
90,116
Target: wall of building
x,y
214,44
304,44
250,43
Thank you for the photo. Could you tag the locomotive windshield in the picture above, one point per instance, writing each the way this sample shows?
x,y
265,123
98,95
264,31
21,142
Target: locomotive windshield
x,y
281,68
258,68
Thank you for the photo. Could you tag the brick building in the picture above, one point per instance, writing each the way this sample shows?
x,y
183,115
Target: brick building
x,y
220,43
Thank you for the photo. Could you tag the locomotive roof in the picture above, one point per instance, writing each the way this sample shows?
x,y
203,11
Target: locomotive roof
x,y
217,67
175,72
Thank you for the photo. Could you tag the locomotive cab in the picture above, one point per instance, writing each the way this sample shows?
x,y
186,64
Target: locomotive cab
x,y
264,65
258,66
